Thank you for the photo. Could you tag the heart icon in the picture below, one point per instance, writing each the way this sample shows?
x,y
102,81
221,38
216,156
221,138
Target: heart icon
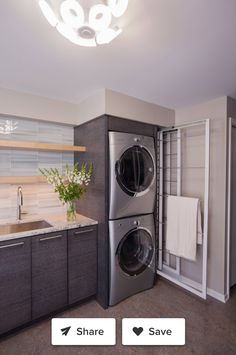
x,y
137,331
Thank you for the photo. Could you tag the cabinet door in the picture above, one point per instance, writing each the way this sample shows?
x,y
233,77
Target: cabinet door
x,y
82,263
15,283
49,273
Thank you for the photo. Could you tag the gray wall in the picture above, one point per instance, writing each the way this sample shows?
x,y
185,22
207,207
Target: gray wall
x,y
125,106
103,101
231,112
26,105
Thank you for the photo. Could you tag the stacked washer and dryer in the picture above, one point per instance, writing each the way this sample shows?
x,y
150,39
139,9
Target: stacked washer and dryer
x,y
132,188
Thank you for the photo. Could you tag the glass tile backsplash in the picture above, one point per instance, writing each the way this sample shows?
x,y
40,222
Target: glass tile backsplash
x,y
38,198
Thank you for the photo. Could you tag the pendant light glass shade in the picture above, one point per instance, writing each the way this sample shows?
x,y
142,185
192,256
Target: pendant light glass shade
x,y
72,13
107,35
48,13
99,17
71,35
118,7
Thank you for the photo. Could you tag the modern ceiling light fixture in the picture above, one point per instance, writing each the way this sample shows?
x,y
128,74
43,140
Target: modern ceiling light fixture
x,y
118,7
86,26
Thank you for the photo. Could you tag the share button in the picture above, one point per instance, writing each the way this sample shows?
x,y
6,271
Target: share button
x,y
83,331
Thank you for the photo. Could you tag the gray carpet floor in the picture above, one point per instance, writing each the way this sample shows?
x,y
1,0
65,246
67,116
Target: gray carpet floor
x,y
210,325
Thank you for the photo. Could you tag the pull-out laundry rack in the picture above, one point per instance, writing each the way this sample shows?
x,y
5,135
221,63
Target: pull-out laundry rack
x,y
183,168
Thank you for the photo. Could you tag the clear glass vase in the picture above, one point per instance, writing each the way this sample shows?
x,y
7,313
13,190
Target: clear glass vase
x,y
71,211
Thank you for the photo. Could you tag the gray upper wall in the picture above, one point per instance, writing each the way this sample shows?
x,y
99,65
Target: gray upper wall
x,y
103,101
25,105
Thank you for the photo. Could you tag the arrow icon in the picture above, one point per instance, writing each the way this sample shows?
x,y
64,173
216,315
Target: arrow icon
x,y
65,331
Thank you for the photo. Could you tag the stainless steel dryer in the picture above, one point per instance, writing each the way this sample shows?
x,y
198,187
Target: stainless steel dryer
x,y
132,256
132,179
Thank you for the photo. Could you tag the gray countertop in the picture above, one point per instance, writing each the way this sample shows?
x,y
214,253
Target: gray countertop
x,y
58,223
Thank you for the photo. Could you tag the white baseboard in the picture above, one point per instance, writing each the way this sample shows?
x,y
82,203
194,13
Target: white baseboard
x,y
218,296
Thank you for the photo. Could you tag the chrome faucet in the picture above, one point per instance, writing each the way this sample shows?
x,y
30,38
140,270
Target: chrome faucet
x,y
19,203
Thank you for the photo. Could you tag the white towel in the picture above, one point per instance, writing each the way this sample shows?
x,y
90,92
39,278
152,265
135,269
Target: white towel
x,y
184,227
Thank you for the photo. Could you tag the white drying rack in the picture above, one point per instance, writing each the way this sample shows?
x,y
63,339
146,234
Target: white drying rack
x,y
171,138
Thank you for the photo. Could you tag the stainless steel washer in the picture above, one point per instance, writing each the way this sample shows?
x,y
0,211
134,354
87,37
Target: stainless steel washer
x,y
132,256
132,179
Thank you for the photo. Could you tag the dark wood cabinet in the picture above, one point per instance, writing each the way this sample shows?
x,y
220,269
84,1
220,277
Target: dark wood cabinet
x,y
49,273
15,283
82,263
95,201
45,273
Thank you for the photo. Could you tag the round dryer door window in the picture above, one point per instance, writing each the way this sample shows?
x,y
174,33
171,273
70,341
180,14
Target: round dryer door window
x,y
135,252
135,170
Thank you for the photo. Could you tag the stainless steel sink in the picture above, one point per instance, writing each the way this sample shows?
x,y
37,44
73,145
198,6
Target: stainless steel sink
x,y
23,227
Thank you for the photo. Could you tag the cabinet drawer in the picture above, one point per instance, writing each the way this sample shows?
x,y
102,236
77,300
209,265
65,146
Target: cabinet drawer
x,y
82,263
49,273
15,283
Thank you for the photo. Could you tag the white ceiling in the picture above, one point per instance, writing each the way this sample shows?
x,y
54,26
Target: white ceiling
x,y
172,52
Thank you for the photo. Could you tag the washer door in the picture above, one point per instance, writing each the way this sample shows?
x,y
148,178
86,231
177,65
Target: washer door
x,y
135,170
135,252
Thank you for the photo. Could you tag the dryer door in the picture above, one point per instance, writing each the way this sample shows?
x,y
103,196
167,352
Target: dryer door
x,y
135,252
135,170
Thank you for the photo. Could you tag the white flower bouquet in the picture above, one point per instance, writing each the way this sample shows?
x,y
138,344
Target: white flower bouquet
x,y
70,186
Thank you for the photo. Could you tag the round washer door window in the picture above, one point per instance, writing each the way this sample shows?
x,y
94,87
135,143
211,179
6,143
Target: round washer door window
x,y
135,252
135,170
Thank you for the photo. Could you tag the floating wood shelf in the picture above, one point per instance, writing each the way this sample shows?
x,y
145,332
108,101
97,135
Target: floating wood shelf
x,y
22,179
24,145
